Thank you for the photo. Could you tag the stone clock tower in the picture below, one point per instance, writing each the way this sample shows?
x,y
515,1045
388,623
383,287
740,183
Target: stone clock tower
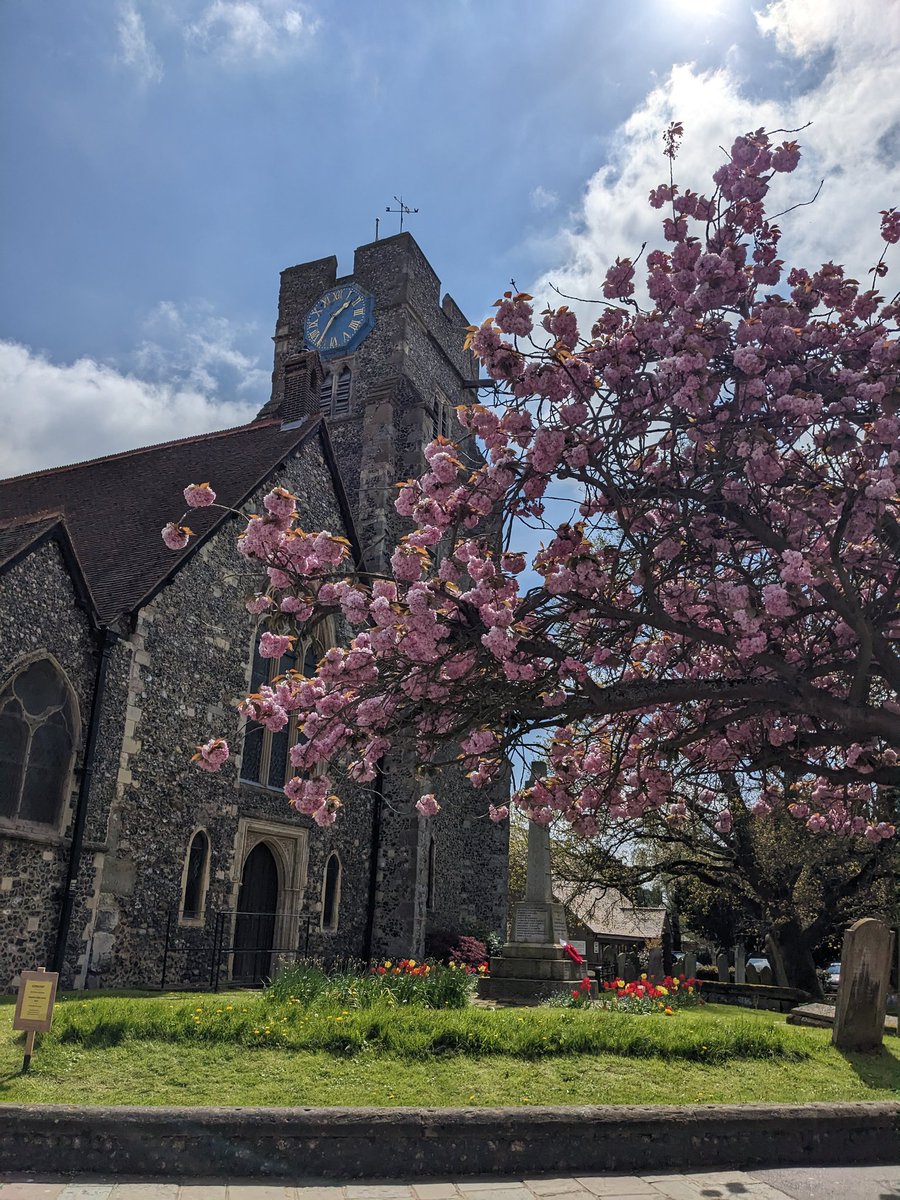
x,y
390,383
380,354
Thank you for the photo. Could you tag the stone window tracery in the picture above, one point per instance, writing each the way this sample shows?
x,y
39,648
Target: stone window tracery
x,y
38,736
265,759
331,892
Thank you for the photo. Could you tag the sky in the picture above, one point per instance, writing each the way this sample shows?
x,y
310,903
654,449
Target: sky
x,y
163,160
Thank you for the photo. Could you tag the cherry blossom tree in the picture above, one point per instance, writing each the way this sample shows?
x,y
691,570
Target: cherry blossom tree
x,y
721,595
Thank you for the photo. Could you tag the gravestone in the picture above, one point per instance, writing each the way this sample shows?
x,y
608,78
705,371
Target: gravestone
x,y
766,977
655,968
632,967
775,957
740,963
534,964
621,965
722,968
689,965
862,992
751,975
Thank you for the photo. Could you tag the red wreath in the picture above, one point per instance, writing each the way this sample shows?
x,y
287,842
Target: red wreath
x,y
573,954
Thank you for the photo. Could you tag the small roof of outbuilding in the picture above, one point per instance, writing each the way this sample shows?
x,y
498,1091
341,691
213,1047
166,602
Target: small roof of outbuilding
x,y
115,507
607,912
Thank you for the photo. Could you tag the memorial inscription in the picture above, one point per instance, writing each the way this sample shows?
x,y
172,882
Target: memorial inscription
x,y
530,924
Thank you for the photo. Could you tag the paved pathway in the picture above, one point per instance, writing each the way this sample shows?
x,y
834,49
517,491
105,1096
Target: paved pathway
x,y
798,1183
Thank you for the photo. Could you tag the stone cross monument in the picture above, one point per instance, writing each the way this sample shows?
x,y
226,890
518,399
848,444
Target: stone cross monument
x,y
538,919
534,965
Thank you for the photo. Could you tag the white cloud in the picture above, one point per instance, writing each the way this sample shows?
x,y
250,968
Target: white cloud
x,y
189,345
54,414
238,32
543,198
136,50
854,143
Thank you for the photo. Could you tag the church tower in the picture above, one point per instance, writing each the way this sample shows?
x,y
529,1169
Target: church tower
x,y
380,354
394,370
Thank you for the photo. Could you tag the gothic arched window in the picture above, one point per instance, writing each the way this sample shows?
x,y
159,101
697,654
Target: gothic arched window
x,y
38,735
196,878
429,889
266,754
331,893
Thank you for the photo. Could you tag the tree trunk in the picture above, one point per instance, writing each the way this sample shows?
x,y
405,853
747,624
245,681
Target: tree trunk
x,y
799,964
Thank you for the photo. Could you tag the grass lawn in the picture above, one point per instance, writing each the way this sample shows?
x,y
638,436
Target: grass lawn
x,y
245,1049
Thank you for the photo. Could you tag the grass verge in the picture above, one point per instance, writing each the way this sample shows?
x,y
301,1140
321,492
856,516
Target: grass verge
x,y
414,1032
134,1050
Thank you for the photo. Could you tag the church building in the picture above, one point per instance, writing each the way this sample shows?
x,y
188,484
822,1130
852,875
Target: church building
x,y
121,864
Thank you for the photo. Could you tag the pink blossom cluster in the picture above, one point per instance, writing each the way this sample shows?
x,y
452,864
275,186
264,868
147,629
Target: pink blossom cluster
x,y
724,600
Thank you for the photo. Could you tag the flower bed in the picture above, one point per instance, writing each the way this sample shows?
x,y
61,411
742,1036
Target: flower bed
x,y
645,996
402,982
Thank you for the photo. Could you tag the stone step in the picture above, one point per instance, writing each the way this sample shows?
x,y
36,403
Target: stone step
x,y
525,991
536,968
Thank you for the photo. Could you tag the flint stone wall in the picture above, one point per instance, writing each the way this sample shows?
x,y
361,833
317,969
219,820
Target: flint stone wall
x,y
342,1143
192,652
39,617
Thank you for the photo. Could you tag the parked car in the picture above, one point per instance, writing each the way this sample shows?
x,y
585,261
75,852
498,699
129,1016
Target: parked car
x,y
831,977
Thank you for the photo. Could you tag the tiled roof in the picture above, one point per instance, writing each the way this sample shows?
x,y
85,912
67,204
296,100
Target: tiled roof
x,y
115,507
607,911
16,536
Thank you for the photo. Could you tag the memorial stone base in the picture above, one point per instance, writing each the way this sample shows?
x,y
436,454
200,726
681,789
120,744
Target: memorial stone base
x,y
528,974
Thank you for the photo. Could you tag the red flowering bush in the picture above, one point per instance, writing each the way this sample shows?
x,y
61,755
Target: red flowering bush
x,y
469,951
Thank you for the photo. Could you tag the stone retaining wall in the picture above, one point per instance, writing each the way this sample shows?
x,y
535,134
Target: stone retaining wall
x,y
752,995
415,1143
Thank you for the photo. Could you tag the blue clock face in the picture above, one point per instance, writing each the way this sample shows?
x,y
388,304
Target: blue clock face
x,y
339,320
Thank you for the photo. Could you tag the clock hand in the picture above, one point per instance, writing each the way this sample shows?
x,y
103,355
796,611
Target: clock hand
x,y
337,312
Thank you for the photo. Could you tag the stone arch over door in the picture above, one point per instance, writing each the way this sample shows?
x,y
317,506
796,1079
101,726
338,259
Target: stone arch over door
x,y
271,860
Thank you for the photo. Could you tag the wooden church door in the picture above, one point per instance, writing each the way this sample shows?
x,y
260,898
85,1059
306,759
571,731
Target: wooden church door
x,y
254,930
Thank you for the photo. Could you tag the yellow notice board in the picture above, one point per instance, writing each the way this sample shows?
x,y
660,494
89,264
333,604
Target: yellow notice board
x,y
35,1000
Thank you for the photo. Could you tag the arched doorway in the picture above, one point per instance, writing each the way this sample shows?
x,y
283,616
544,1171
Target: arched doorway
x,y
254,928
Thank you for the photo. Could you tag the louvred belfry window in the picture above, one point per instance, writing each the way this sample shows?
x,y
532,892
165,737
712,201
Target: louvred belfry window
x,y
325,389
38,733
341,405
334,394
265,759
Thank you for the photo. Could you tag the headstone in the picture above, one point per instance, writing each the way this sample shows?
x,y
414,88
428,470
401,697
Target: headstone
x,y
740,963
766,977
751,975
775,957
632,967
621,965
722,968
689,965
862,992
655,967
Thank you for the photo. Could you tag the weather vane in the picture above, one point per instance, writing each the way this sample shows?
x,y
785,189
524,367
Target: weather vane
x,y
404,210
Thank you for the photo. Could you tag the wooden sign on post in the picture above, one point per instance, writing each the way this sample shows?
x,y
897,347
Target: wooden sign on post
x,y
34,1007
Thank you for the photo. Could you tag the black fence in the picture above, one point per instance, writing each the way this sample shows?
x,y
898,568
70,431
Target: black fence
x,y
242,949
